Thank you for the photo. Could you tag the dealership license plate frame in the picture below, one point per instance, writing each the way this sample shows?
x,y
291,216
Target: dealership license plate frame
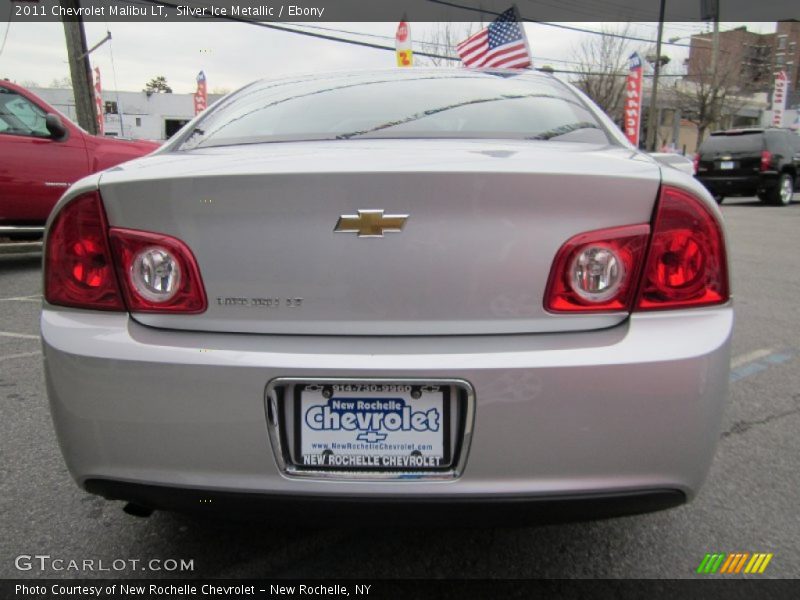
x,y
442,435
281,407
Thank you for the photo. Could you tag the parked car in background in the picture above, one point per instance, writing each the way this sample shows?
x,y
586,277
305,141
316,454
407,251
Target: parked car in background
x,y
675,160
421,287
750,162
42,153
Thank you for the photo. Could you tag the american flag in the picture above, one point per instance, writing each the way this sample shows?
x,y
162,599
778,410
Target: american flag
x,y
501,44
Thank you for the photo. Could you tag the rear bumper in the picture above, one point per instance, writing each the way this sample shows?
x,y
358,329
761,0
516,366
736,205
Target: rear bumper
x,y
632,409
485,509
739,186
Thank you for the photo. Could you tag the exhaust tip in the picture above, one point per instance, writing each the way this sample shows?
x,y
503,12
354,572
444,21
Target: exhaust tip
x,y
137,510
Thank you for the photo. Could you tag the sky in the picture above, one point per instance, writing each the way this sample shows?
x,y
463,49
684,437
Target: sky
x,y
234,54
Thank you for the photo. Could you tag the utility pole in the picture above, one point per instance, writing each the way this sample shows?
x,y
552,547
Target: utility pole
x,y
652,124
79,68
715,45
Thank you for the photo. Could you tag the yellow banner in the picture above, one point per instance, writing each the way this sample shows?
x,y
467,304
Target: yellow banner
x,y
405,58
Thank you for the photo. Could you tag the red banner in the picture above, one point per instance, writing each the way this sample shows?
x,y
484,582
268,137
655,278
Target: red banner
x,y
98,102
200,96
779,99
632,116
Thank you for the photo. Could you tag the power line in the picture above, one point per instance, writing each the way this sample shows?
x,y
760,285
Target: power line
x,y
300,32
557,25
426,43
379,46
116,87
5,35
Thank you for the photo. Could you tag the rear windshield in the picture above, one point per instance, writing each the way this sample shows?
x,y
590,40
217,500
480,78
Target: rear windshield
x,y
456,104
740,142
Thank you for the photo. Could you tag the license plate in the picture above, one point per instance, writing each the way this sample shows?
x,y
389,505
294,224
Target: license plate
x,y
726,165
372,426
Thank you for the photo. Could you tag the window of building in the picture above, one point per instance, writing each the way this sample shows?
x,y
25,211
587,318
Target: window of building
x,y
111,108
780,59
138,121
782,42
171,126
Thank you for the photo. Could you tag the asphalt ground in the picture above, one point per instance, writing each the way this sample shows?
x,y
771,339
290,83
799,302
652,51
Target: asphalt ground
x,y
750,502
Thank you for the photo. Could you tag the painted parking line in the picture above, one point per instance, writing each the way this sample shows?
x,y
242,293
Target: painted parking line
x,y
24,336
750,357
758,361
20,355
33,298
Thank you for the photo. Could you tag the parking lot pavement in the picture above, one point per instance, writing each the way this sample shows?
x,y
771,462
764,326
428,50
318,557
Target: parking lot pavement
x,y
749,503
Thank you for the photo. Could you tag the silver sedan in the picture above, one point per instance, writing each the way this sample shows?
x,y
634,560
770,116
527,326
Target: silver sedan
x,y
399,288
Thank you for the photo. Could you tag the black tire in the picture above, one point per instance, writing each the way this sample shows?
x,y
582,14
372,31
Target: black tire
x,y
781,194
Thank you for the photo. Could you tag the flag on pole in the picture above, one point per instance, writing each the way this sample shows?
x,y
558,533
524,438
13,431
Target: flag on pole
x,y
779,99
98,103
200,96
402,41
632,115
501,44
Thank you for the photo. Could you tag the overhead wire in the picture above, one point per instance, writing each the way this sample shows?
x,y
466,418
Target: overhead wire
x,y
5,35
383,47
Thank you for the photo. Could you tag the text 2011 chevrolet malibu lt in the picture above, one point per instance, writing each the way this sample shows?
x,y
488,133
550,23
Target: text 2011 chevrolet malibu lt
x,y
430,287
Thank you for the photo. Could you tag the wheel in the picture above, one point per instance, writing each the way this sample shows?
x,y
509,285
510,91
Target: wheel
x,y
718,198
781,195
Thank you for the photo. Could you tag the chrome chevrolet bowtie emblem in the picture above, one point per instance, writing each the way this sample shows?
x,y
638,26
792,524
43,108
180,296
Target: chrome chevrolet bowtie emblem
x,y
370,223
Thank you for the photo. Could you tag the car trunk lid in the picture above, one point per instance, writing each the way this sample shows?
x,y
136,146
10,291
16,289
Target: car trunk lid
x,y
484,222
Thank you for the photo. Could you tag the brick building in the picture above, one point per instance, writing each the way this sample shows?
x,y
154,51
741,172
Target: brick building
x,y
787,53
749,60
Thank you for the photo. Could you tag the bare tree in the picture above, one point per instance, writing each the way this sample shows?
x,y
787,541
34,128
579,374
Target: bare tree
x,y
442,40
707,98
602,61
64,83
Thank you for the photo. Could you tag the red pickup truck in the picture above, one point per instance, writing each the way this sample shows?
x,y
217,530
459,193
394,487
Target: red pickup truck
x,y
42,153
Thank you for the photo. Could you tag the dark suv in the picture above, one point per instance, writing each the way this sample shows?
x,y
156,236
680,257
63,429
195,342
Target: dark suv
x,y
750,162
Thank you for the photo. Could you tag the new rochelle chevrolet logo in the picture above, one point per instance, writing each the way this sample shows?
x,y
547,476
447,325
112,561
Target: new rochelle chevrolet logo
x,y
370,223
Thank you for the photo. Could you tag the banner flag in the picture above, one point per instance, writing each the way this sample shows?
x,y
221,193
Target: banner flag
x,y
200,96
779,99
632,114
402,39
98,103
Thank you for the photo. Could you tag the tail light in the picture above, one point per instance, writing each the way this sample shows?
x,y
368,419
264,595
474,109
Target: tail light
x,y
79,271
598,270
88,265
615,270
686,263
766,160
159,272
